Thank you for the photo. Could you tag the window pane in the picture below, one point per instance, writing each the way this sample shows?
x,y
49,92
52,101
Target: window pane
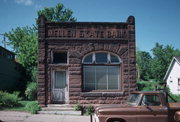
x,y
59,57
89,78
151,100
88,59
114,59
60,79
101,77
101,58
113,77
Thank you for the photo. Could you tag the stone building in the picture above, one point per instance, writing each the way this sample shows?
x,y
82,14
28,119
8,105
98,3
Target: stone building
x,y
86,62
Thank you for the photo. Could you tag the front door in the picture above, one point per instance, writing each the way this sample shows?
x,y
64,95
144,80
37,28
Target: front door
x,y
60,87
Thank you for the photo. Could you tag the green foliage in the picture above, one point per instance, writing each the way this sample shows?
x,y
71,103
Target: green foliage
x,y
89,110
31,91
77,107
57,14
33,107
143,65
20,107
24,42
156,66
9,100
147,85
162,56
176,97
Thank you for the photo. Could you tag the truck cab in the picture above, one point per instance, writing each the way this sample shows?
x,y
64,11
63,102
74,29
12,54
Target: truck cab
x,y
140,107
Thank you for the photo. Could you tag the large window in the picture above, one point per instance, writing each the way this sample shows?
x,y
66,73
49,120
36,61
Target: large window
x,y
101,71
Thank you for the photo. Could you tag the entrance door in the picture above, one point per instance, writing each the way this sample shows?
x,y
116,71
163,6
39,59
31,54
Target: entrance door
x,y
60,88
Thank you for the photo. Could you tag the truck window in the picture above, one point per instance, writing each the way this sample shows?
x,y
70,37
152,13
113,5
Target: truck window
x,y
151,100
133,99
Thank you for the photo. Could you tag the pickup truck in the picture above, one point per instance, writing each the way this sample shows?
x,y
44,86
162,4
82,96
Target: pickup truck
x,y
140,107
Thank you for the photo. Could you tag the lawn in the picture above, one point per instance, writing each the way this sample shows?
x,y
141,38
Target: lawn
x,y
21,106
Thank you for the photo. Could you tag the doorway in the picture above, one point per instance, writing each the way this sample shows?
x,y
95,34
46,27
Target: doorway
x,y
60,87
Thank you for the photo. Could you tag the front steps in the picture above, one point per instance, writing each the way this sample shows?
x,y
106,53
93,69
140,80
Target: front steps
x,y
59,109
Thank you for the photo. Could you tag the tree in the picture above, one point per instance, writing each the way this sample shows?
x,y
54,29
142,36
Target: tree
x,y
143,65
162,57
24,42
24,39
57,14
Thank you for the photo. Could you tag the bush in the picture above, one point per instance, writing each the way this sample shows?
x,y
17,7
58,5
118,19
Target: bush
x,y
147,85
9,100
33,107
175,97
31,91
77,107
89,110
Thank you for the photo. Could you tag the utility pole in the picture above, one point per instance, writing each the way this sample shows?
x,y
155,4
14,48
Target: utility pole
x,y
4,40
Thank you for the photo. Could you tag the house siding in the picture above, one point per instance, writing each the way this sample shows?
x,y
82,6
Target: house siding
x,y
172,80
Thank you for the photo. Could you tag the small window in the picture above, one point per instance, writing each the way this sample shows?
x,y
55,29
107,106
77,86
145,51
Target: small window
x,y
59,57
178,81
101,58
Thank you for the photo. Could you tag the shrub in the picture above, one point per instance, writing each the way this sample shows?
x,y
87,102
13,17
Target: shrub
x,y
31,91
9,100
89,110
175,97
33,107
77,107
147,85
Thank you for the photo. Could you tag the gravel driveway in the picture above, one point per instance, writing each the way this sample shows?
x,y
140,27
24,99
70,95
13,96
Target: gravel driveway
x,y
11,116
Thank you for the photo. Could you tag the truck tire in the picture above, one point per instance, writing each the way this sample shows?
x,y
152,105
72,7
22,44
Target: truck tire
x,y
177,116
115,120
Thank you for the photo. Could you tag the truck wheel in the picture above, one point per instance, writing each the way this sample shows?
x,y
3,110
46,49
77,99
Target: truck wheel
x,y
115,120
177,116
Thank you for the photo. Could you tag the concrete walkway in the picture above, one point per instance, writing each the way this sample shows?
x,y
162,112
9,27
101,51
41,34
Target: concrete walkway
x,y
11,116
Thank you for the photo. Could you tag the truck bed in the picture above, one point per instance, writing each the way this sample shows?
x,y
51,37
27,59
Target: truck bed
x,y
174,106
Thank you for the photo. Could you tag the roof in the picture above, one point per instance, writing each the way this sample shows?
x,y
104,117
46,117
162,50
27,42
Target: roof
x,y
6,50
177,59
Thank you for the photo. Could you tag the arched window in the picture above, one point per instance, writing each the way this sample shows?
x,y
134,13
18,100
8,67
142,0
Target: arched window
x,y
101,71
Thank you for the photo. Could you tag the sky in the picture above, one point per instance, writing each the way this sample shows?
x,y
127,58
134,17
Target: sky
x,y
156,20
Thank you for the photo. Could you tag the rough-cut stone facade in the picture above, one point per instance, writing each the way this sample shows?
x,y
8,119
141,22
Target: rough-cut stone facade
x,y
79,39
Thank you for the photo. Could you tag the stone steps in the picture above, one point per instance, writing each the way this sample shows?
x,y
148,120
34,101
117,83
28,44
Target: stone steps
x,y
59,109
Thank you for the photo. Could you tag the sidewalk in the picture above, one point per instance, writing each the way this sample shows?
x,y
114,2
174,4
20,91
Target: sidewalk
x,y
10,116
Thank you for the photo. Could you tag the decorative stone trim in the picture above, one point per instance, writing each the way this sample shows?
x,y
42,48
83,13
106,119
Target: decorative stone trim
x,y
102,94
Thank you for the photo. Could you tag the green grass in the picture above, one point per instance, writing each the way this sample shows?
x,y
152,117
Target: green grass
x,y
21,106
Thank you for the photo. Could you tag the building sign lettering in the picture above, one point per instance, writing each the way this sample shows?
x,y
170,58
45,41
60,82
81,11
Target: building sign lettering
x,y
87,33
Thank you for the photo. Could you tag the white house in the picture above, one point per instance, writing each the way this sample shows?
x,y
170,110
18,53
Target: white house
x,y
172,76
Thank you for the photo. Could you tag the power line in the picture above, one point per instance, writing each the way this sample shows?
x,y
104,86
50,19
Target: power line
x,y
4,39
